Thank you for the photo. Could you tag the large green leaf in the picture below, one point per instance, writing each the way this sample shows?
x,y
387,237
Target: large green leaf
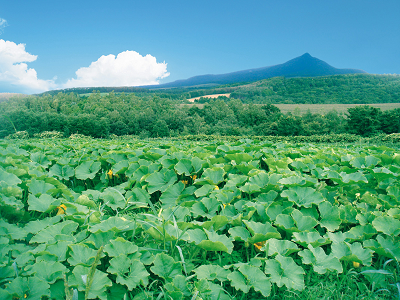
x,y
286,222
50,233
239,233
171,195
62,172
330,216
352,252
129,272
30,288
213,176
184,166
116,224
178,288
353,177
385,246
84,200
284,271
160,181
87,170
278,165
120,246
113,198
167,233
309,238
207,207
166,267
38,225
44,203
387,225
261,231
365,162
39,187
320,261
303,223
250,277
266,181
216,242
8,178
81,254
120,167
250,188
239,157
47,271
211,272
282,247
303,196
100,282
41,159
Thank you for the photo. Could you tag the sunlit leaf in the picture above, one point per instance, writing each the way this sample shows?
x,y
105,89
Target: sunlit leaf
x,y
320,261
211,272
166,267
284,271
99,284
129,272
303,196
87,170
387,225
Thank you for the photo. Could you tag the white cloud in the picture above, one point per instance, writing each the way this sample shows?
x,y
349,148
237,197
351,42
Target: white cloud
x,y
128,68
3,23
15,72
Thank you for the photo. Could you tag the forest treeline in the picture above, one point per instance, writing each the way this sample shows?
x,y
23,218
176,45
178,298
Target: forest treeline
x,y
150,115
336,89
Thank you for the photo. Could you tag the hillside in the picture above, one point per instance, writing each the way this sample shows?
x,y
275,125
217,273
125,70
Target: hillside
x,y
344,89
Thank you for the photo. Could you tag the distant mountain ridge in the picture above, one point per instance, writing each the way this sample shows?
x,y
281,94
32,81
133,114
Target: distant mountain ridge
x,y
302,66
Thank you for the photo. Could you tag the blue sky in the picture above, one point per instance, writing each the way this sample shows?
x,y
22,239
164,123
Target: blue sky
x,y
57,44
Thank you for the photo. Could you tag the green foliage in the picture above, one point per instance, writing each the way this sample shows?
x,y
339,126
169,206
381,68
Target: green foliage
x,y
249,111
233,219
355,88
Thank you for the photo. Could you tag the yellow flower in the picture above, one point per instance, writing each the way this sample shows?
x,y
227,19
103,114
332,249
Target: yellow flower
x,y
193,177
61,209
110,174
259,245
184,182
216,187
356,264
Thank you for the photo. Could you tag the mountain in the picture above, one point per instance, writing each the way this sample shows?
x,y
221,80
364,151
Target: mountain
x,y
302,66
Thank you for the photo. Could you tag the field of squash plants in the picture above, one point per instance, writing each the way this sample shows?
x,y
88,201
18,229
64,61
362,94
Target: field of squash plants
x,y
161,219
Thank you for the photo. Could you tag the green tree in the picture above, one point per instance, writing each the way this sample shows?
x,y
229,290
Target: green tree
x,y
363,120
390,121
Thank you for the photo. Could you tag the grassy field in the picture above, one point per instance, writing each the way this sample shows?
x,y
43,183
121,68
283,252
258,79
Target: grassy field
x,y
324,108
321,108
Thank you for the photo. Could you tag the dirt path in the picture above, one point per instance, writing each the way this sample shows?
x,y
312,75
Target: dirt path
x,y
208,96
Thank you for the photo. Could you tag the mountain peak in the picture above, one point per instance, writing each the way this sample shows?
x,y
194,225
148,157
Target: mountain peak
x,y
306,55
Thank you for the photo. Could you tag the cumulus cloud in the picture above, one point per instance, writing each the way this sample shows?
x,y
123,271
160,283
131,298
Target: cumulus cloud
x,y
15,72
128,68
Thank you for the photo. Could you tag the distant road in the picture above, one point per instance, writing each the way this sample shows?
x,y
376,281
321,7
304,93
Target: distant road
x,y
208,96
